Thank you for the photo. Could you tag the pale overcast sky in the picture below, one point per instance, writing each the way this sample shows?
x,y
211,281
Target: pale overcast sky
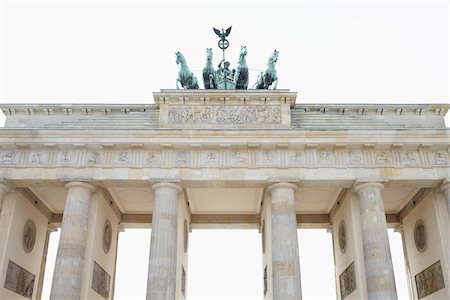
x,y
122,51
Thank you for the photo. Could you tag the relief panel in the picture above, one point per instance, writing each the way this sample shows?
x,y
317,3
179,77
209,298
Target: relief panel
x,y
224,115
101,281
19,280
347,281
430,280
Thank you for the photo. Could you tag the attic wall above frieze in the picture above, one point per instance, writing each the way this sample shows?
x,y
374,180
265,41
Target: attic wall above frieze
x,y
225,110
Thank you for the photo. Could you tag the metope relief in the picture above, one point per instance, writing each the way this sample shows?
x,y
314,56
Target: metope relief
x,y
347,281
238,157
181,158
66,157
210,158
38,158
440,157
430,280
325,157
122,158
411,158
221,115
297,157
268,157
93,157
152,158
8,157
101,281
29,236
19,280
383,158
354,157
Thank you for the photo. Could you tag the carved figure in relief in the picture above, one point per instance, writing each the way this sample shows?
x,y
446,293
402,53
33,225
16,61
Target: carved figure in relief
x,y
210,158
238,158
410,158
36,159
180,158
297,156
440,157
185,77
151,158
354,158
9,158
384,158
269,77
66,157
93,157
268,155
324,156
123,157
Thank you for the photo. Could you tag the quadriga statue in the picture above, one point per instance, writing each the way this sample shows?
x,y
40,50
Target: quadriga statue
x,y
209,74
241,75
269,76
185,76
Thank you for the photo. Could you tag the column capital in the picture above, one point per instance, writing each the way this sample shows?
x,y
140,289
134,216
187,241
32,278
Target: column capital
x,y
281,185
80,184
172,185
358,186
445,185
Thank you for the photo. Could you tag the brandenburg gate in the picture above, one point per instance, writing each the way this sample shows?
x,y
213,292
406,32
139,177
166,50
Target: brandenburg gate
x,y
252,159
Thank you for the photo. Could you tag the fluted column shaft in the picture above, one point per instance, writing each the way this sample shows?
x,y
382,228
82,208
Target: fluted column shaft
x,y
67,276
377,254
4,188
285,255
446,189
162,265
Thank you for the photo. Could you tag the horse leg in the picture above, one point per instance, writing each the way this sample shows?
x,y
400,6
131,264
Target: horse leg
x,y
178,79
275,85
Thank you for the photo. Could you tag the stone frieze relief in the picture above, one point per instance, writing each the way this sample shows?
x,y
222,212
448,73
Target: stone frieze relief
x,y
225,157
225,114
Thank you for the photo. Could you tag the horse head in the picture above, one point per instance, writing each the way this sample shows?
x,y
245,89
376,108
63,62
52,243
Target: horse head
x,y
180,58
243,50
209,54
274,57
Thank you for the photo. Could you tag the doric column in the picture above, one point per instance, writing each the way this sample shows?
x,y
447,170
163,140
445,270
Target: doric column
x,y
162,265
446,189
285,256
377,254
4,188
71,249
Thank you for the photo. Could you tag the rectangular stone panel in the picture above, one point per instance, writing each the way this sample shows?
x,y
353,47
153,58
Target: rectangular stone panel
x,y
225,116
430,280
101,281
19,280
347,281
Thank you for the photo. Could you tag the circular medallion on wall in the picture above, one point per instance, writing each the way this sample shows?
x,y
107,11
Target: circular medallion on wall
x,y
186,235
29,236
107,236
420,237
342,236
